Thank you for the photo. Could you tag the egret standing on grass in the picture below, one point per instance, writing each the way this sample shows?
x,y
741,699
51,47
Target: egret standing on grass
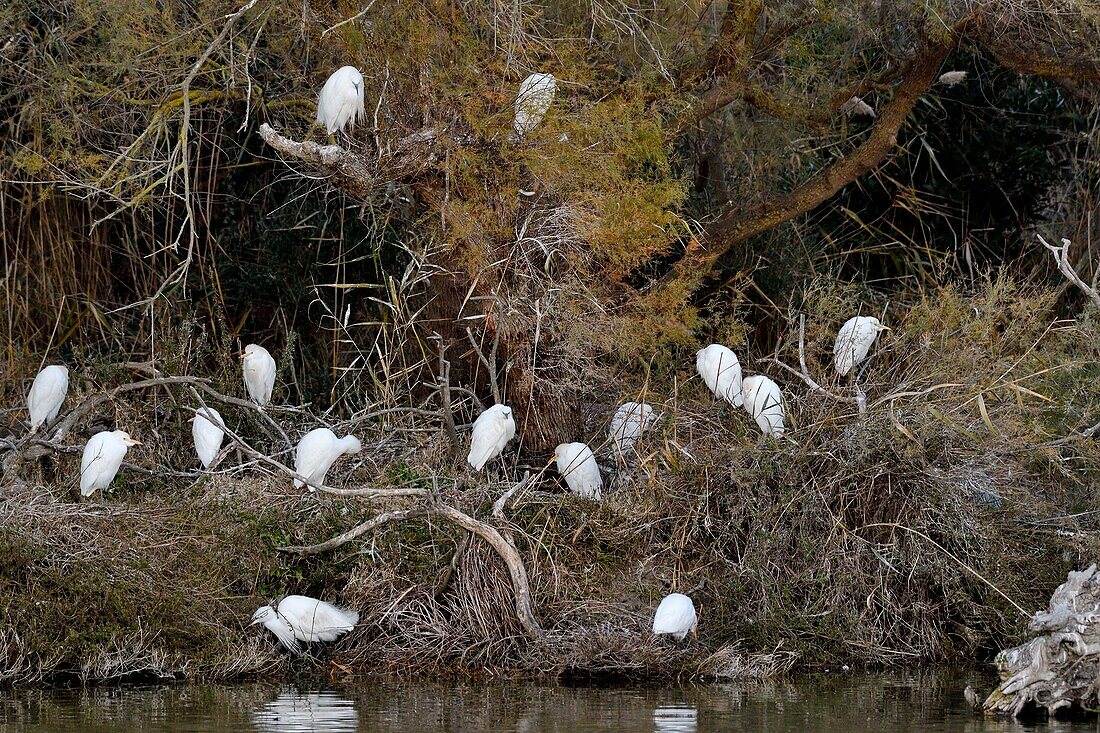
x,y
764,402
492,431
536,93
206,429
720,370
102,457
341,100
300,618
259,373
578,467
317,451
854,340
676,617
628,424
47,393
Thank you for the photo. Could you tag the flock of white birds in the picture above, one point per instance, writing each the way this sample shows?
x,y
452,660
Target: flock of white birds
x,y
299,619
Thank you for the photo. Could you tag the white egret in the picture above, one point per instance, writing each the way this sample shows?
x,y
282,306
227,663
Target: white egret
x,y
492,431
259,373
578,467
102,457
856,107
536,93
47,393
676,617
854,340
301,618
340,103
206,429
720,370
951,78
764,402
317,451
628,424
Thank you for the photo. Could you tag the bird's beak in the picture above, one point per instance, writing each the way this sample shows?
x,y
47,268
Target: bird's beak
x,y
240,355
134,442
550,462
256,621
884,328
695,632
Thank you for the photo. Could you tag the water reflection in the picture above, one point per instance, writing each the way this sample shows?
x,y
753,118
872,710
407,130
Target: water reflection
x,y
675,719
917,702
296,712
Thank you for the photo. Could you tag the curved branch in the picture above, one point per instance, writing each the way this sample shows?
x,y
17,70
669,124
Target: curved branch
x,y
738,226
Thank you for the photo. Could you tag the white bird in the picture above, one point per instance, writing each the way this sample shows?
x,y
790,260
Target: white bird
x,y
206,429
951,78
854,340
317,451
675,616
341,100
102,456
536,93
301,618
492,431
578,467
259,373
720,370
628,424
764,402
47,393
856,107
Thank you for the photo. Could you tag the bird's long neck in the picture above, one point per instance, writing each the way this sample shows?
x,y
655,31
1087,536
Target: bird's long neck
x,y
277,625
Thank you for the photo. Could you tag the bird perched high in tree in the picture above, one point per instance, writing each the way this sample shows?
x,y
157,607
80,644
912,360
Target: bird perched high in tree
x,y
340,103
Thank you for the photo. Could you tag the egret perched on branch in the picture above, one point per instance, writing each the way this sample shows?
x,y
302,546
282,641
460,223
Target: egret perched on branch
x,y
301,618
628,424
535,96
764,402
102,456
676,617
492,431
317,451
720,370
854,340
259,373
206,429
341,100
47,393
578,467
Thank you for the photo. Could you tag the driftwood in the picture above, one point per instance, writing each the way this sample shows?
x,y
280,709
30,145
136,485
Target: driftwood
x,y
1060,669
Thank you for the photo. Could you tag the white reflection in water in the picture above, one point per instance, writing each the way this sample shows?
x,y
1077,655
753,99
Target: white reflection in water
x,y
677,718
296,712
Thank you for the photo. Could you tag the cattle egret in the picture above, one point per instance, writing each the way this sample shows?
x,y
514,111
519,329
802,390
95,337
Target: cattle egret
x,y
628,424
317,451
854,340
492,431
951,78
206,429
720,370
764,402
259,373
340,103
535,95
300,618
578,467
102,456
47,393
856,107
675,616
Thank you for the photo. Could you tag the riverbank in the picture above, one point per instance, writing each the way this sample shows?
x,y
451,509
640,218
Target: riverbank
x,y
921,530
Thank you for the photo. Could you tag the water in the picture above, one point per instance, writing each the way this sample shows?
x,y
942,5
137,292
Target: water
x,y
831,703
